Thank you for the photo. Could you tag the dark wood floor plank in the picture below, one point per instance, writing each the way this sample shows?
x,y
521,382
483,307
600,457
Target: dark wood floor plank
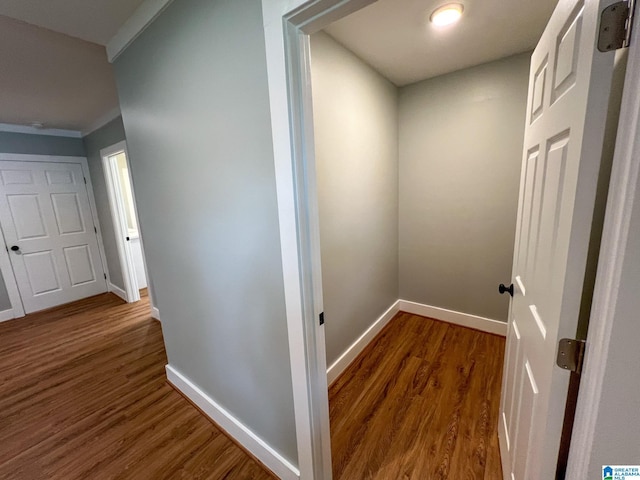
x,y
421,402
84,396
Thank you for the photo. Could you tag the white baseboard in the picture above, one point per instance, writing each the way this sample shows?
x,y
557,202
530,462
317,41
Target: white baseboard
x,y
350,354
233,427
155,313
118,291
7,315
457,318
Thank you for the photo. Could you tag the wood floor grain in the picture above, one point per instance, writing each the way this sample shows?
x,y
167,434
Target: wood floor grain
x,y
84,396
421,402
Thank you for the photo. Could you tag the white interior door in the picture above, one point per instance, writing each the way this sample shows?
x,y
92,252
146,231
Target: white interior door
x,y
48,227
568,96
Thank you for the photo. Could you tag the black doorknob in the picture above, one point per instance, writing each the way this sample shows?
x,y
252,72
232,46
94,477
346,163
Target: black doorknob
x,y
502,289
15,248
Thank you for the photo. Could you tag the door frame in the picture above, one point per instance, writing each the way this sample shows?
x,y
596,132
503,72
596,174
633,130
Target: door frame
x,y
287,26
131,292
6,269
616,254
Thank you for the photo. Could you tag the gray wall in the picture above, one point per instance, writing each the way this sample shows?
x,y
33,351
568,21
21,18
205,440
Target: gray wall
x,y
194,99
461,138
110,134
356,138
28,144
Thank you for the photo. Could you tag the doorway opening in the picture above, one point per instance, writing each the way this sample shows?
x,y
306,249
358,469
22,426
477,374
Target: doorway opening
x,y
549,84
125,222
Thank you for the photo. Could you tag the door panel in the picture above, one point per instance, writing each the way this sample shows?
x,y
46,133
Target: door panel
x,y
45,211
79,265
66,208
42,272
566,111
27,216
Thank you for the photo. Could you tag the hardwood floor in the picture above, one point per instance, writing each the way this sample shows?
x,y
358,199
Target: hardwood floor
x,y
421,402
84,396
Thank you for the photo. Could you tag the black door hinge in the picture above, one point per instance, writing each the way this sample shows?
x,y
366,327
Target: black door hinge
x,y
571,354
321,318
105,276
615,26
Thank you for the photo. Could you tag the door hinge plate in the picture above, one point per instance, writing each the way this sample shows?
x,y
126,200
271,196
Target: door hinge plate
x,y
571,354
321,318
615,26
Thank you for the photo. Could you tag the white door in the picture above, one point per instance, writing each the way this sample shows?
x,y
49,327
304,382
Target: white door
x,y
568,97
138,261
48,227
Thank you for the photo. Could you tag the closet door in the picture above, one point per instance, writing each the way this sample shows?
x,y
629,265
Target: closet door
x,y
48,227
569,89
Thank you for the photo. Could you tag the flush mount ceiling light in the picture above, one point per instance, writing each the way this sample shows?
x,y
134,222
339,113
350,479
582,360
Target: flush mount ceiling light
x,y
446,14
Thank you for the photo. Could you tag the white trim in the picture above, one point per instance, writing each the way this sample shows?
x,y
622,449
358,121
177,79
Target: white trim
x,y
22,157
5,262
102,121
615,255
146,13
155,313
356,348
118,218
96,220
116,290
7,315
52,132
288,72
8,275
233,427
457,318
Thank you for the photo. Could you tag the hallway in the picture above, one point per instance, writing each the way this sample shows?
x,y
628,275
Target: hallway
x,y
84,396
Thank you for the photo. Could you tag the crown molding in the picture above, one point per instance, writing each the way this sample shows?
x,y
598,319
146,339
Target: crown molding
x,y
146,13
52,132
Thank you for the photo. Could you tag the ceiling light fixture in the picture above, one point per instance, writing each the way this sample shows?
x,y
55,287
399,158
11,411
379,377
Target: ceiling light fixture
x,y
446,14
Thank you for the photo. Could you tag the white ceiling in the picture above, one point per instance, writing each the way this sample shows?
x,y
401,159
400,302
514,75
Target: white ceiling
x,y
53,63
396,38
52,78
95,21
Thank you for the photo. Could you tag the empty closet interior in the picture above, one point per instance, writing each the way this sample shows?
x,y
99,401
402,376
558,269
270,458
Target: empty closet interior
x,y
417,188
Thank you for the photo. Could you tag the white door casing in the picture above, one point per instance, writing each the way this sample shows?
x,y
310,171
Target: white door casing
x,y
45,211
569,89
118,216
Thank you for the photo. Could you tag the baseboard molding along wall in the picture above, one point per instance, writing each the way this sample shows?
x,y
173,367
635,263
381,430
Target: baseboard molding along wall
x,y
450,316
7,315
457,318
233,427
118,291
155,313
350,354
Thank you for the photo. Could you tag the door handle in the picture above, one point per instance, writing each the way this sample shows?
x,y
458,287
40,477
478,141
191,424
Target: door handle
x,y
15,248
502,289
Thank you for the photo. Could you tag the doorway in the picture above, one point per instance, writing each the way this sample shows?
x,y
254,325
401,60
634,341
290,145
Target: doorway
x,y
125,221
417,193
53,250
299,24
